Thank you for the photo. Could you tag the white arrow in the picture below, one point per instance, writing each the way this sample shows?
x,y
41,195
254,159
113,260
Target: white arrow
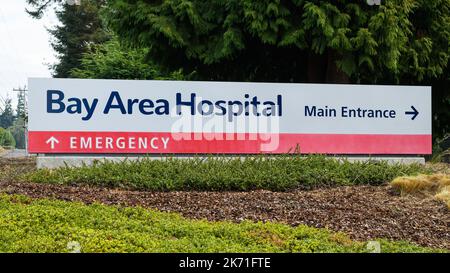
x,y
52,142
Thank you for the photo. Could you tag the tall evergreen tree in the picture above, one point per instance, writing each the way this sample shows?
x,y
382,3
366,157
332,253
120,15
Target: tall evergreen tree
x,y
18,133
21,110
17,130
346,41
6,113
80,26
296,40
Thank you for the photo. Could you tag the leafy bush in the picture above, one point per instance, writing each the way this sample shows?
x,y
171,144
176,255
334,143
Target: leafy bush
x,y
6,139
18,132
217,173
51,226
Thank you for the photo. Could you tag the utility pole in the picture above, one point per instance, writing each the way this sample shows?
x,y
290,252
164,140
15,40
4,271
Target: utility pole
x,y
22,93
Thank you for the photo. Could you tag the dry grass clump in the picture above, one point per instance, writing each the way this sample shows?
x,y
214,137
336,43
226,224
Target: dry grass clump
x,y
439,167
437,185
444,195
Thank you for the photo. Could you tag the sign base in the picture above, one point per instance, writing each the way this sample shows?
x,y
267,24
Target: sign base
x,y
56,161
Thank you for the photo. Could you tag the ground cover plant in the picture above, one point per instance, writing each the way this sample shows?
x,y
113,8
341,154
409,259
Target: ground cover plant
x,y
362,212
217,173
44,225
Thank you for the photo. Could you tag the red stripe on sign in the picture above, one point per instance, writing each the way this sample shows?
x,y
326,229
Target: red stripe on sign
x,y
213,143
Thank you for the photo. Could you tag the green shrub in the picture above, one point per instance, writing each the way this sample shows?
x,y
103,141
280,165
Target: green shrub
x,y
217,173
6,139
48,226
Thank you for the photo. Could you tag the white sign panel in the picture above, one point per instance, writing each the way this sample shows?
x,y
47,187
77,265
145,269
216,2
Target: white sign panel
x,y
123,116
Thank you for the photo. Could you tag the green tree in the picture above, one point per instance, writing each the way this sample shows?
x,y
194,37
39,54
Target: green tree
x,y
21,109
6,139
37,7
80,26
18,133
346,41
111,60
6,113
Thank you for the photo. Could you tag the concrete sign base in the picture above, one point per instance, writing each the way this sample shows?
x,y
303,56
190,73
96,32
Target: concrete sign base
x,y
52,161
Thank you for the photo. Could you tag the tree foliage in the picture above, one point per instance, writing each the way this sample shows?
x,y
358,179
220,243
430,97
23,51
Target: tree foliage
x,y
345,41
112,60
18,133
12,125
401,38
6,139
36,8
21,108
6,113
80,26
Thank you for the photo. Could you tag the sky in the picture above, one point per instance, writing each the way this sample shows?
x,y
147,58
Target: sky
x,y
25,49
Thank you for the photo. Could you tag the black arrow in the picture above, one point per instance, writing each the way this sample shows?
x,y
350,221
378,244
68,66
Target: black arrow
x,y
414,112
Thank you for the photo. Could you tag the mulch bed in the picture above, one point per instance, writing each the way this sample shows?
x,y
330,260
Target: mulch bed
x,y
363,212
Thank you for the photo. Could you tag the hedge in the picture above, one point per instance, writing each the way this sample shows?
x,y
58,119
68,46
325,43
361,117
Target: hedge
x,y
217,173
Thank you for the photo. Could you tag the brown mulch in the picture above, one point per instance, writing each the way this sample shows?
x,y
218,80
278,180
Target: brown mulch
x,y
11,167
363,212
